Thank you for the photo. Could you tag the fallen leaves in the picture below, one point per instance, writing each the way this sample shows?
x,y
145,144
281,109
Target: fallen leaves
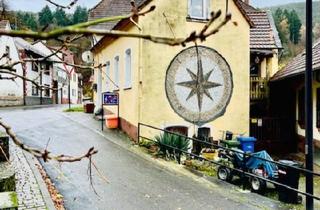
x,y
56,197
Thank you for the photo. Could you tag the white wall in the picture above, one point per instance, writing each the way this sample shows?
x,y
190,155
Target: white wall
x,y
10,88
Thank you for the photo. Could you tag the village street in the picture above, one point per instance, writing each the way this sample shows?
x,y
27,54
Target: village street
x,y
134,182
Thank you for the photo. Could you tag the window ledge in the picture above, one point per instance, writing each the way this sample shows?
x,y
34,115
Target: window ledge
x,y
127,88
198,20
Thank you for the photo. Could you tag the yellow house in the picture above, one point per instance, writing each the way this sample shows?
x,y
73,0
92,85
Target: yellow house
x,y
152,79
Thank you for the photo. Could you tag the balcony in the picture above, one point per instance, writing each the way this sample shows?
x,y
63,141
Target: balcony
x,y
258,88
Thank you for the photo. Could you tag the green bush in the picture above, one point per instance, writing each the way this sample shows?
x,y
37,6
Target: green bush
x,y
75,109
171,145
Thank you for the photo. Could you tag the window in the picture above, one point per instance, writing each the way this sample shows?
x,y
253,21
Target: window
x,y
35,90
46,68
116,72
35,66
199,9
318,108
108,76
46,91
74,77
128,69
7,51
301,108
73,92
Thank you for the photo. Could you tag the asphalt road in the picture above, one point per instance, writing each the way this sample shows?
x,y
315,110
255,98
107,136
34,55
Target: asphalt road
x,y
134,182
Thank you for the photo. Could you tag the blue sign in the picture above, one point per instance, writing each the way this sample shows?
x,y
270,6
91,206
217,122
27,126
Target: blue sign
x,y
110,99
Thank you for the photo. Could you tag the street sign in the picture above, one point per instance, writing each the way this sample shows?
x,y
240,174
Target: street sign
x,y
110,99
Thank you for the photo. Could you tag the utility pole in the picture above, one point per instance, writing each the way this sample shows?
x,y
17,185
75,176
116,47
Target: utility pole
x,y
41,87
308,107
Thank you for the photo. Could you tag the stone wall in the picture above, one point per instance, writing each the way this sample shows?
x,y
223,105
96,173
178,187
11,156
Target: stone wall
x,y
10,101
36,100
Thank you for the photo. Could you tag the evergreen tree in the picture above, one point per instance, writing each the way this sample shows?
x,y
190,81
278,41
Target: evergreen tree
x,y
31,22
280,19
80,15
61,17
45,16
294,27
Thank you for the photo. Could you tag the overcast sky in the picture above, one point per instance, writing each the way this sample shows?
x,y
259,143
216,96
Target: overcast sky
x,y
37,5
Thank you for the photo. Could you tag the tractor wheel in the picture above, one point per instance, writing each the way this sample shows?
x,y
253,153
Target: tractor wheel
x,y
224,173
258,185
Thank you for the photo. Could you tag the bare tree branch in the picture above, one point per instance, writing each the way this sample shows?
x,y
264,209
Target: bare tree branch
x,y
71,4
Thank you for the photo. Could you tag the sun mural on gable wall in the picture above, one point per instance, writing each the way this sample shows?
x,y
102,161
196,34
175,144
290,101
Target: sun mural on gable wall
x,y
199,84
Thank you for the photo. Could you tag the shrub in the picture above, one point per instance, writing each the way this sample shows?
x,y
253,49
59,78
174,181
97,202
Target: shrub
x,y
171,145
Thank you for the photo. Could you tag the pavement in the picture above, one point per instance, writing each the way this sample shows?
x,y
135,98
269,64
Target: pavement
x,y
31,191
136,181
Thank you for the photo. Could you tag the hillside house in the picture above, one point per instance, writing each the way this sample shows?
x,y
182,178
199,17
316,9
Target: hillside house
x,y
11,93
140,69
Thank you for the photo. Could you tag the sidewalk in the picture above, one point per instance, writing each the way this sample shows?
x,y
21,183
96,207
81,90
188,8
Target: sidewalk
x,y
31,190
231,192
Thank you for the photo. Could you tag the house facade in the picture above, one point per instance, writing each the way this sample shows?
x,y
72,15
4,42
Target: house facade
x,y
11,93
63,74
139,70
288,97
38,71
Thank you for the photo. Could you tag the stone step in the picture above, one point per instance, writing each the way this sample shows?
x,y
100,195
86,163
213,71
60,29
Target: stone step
x,y
8,201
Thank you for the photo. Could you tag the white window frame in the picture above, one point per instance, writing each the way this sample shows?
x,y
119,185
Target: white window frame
x,y
128,69
205,10
116,72
108,76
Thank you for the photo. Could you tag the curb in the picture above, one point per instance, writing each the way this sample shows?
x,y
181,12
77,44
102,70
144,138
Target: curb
x,y
43,187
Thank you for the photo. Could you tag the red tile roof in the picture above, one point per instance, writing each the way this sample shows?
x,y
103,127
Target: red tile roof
x,y
264,34
297,65
109,8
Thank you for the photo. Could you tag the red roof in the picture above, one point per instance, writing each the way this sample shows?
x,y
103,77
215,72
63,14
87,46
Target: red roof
x,y
264,34
297,65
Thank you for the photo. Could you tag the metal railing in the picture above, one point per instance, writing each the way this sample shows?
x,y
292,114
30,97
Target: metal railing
x,y
258,88
242,170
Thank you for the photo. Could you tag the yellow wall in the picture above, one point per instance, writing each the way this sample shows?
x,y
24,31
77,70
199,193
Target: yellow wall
x,y
146,102
128,97
232,42
316,132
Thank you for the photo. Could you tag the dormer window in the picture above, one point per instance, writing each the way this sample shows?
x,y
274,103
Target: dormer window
x,y
199,9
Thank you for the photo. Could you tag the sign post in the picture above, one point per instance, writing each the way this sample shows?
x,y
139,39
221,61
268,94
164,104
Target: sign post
x,y
109,99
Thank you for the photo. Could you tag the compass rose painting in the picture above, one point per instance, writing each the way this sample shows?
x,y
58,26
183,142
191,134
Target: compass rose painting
x,y
199,84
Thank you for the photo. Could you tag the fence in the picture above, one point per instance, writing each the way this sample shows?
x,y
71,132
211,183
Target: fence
x,y
258,88
242,170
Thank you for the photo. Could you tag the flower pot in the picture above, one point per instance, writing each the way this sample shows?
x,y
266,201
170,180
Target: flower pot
x,y
112,122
